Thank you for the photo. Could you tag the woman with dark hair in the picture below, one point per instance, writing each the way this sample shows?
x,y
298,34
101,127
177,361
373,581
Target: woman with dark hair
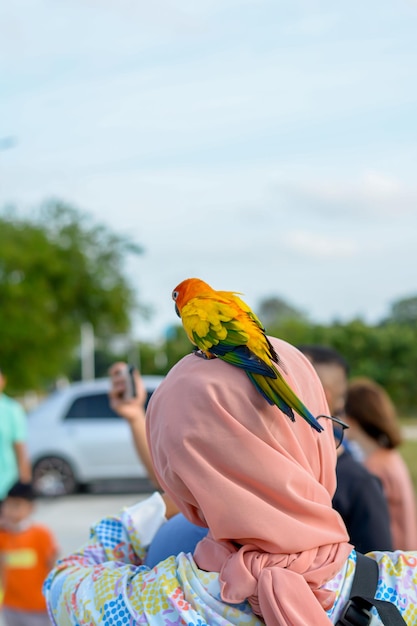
x,y
374,426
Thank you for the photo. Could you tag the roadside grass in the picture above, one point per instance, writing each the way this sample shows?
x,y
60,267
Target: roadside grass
x,y
408,451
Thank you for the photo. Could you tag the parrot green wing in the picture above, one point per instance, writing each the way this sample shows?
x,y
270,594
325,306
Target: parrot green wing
x,y
218,328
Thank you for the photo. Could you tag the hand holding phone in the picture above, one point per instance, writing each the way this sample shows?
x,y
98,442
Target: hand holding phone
x,y
130,384
123,383
127,397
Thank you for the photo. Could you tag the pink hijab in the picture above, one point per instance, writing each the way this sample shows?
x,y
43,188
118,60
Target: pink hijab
x,y
262,484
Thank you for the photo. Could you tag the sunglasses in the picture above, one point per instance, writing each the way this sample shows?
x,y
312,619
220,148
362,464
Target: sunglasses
x,y
339,428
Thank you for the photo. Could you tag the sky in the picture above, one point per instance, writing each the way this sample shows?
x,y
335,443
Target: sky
x,y
266,147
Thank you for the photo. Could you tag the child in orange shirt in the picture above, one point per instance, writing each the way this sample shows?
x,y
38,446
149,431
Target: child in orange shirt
x,y
28,552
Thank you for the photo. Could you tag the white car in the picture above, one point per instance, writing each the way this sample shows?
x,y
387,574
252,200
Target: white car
x,y
75,438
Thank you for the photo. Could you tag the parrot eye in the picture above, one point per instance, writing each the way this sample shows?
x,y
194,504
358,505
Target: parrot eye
x,y
175,295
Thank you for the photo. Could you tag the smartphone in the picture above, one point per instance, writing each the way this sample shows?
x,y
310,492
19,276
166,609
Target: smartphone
x,y
130,385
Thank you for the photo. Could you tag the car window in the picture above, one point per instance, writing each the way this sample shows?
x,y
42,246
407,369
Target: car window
x,y
94,406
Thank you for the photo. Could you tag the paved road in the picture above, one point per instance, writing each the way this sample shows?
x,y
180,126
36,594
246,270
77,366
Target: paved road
x,y
70,518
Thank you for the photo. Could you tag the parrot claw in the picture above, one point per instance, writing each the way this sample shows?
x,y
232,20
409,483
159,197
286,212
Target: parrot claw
x,y
204,355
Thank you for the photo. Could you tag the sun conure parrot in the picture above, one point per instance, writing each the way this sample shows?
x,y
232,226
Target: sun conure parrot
x,y
221,325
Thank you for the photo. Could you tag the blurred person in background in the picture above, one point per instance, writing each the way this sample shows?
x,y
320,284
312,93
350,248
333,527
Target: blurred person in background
x,y
374,426
132,409
178,534
14,460
28,552
359,496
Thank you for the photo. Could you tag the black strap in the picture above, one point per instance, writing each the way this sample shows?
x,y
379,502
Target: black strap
x,y
357,611
365,580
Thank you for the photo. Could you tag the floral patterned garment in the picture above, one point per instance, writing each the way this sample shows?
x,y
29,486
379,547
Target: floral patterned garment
x,y
106,583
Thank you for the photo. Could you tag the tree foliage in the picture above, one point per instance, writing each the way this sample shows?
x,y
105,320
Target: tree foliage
x,y
274,310
385,352
404,311
58,269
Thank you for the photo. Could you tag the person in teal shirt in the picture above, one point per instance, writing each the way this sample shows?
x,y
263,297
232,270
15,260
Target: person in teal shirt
x,y
14,461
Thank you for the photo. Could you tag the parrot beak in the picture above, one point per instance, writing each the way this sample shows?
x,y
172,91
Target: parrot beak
x,y
177,311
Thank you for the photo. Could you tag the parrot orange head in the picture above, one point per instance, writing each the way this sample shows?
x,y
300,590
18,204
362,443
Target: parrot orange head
x,y
188,289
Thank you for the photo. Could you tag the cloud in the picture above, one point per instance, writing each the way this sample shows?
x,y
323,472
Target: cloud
x,y
319,246
373,195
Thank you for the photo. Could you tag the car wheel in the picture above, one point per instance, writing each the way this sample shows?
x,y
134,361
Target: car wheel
x,y
52,476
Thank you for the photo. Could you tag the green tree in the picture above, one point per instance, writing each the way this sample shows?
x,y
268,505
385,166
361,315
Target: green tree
x,y
386,352
404,311
274,311
58,269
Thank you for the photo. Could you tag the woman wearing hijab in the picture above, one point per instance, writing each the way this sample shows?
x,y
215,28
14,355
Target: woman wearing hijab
x,y
276,551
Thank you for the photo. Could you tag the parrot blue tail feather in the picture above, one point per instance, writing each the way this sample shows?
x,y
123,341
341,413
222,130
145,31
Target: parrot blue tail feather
x,y
278,392
272,397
